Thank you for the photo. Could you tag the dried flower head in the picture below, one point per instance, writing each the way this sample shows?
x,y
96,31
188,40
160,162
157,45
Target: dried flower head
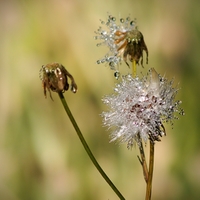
x,y
124,42
140,106
54,78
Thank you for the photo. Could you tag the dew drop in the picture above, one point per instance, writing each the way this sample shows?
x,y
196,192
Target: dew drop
x,y
99,44
73,89
182,112
99,29
103,60
112,65
122,20
103,33
102,22
117,75
111,17
128,19
132,23
98,61
96,37
106,101
116,89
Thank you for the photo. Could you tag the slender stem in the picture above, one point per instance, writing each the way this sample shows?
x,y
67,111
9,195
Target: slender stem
x,y
134,69
143,159
86,147
150,177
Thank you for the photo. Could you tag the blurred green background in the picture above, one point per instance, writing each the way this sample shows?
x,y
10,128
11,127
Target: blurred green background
x,y
40,154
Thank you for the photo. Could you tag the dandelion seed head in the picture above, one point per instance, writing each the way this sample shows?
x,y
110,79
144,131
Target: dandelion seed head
x,y
123,40
141,106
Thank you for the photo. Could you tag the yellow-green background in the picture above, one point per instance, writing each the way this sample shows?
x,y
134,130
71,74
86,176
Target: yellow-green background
x,y
41,157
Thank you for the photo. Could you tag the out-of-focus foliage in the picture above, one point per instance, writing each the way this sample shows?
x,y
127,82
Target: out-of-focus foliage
x,y
40,154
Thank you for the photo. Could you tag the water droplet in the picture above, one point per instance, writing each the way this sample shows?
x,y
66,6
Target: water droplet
x,y
122,20
112,65
132,23
128,19
95,37
108,23
182,112
116,89
99,29
98,61
73,89
103,33
99,44
117,75
113,18
108,59
103,60
102,22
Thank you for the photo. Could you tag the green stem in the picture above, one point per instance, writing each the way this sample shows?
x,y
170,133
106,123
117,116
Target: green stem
x,y
134,69
86,147
143,159
150,175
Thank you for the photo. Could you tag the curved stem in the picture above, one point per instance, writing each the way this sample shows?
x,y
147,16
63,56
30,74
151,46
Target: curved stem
x,y
150,175
86,147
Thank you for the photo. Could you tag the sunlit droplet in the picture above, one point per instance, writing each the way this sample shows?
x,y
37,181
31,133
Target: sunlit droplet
x,y
117,75
122,20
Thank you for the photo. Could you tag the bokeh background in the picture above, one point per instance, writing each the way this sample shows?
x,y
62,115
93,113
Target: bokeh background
x,y
40,154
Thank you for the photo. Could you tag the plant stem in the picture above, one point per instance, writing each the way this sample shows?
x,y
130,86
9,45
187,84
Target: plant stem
x,y
143,159
86,147
150,176
134,69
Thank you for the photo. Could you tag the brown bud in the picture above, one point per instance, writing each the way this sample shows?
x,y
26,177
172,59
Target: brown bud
x,y
54,78
133,46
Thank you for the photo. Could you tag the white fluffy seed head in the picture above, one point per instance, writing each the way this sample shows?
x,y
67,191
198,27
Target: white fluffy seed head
x,y
140,106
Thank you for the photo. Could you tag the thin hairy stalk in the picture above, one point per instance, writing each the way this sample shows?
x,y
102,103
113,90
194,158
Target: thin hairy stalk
x,y
86,147
150,177
142,159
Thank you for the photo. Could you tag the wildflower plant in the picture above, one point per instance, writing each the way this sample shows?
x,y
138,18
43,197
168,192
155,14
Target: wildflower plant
x,y
139,106
54,77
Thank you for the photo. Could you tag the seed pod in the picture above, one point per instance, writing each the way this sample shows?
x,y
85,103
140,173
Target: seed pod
x,y
54,78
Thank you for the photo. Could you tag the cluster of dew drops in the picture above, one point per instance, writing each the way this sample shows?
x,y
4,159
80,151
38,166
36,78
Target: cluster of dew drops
x,y
108,38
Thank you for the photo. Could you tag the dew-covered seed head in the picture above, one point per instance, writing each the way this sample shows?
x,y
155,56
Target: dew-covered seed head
x,y
124,42
54,78
141,106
